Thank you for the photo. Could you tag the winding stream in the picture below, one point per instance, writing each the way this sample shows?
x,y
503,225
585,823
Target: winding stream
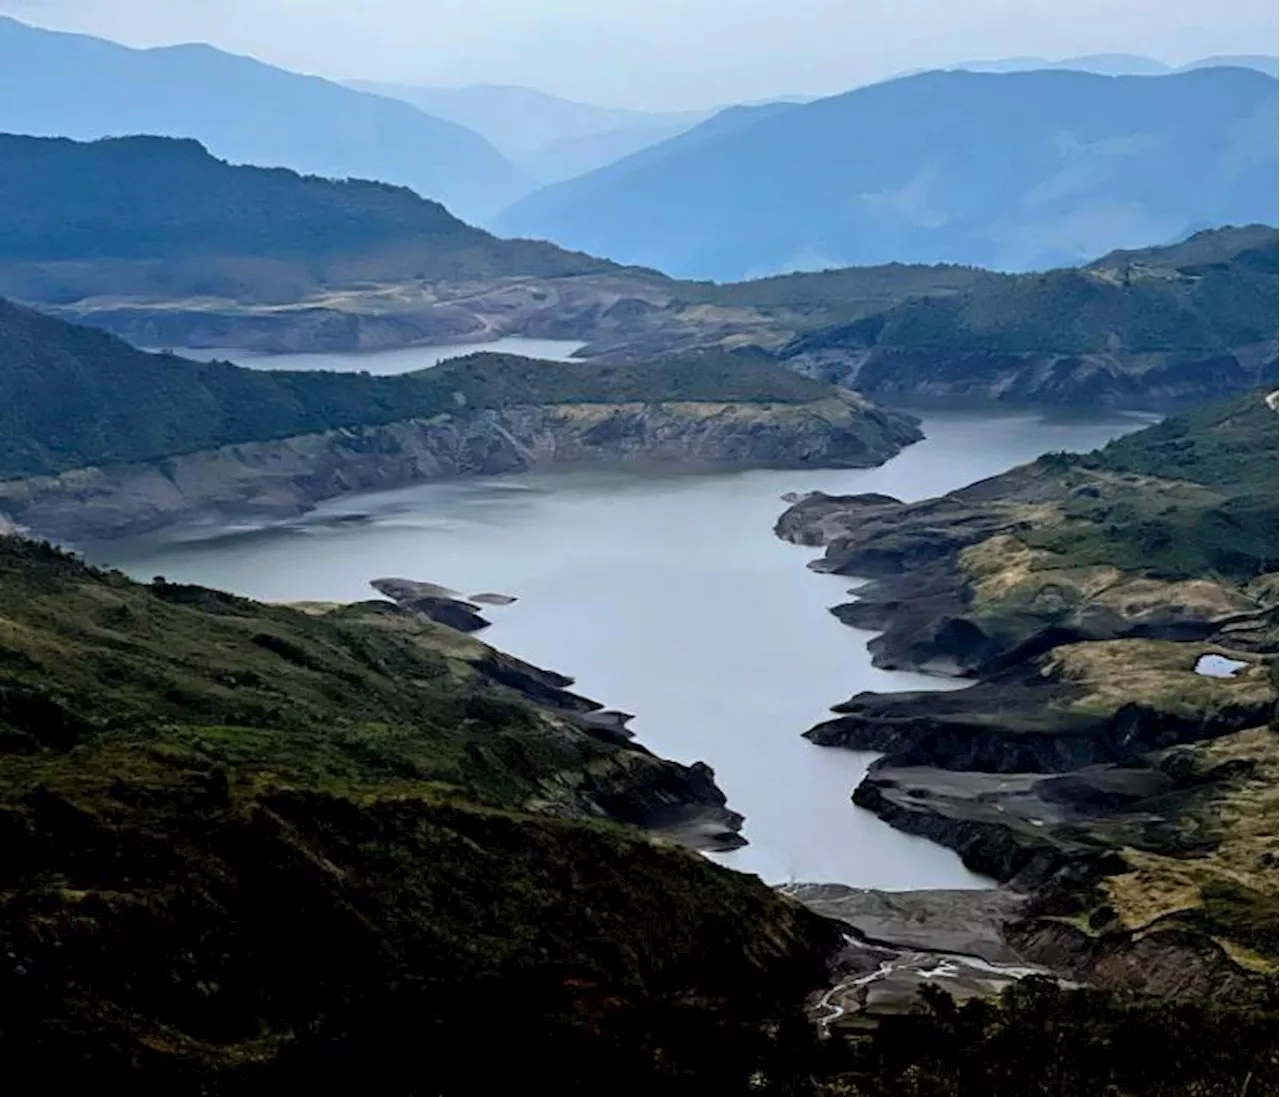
x,y
666,596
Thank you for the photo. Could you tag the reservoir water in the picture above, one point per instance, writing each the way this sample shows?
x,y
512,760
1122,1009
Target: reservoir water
x,y
383,363
663,595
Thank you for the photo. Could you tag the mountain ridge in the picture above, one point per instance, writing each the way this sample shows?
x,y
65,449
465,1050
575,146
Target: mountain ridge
x,y
333,265
1079,164
1140,328
142,198
244,110
76,396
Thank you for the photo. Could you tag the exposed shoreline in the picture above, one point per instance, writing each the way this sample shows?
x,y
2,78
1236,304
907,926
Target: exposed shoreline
x,y
286,478
1089,741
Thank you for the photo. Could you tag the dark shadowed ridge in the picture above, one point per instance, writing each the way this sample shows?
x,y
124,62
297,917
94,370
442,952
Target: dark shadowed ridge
x,y
245,111
1013,171
158,215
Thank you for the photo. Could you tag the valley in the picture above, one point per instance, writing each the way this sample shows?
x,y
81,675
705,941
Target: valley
x,y
661,592
817,640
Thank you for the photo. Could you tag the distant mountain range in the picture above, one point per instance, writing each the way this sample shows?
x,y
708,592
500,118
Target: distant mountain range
x,y
549,137
156,240
1102,64
71,85
1012,171
1123,64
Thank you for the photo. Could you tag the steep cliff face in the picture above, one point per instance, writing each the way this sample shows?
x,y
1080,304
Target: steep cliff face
x,y
286,477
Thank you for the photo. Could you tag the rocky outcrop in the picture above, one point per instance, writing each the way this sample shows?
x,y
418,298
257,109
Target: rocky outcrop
x,y
968,922
990,577
1053,844
998,826
1169,962
433,602
287,477
607,775
680,803
995,727
1022,724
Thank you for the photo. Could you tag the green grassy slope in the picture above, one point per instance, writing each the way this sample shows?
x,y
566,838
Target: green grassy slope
x,y
1156,301
494,380
843,294
248,847
1193,495
1196,317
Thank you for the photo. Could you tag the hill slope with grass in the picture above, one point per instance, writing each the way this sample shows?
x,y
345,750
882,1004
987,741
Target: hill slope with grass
x,y
250,846
1195,320
75,396
165,217
1094,764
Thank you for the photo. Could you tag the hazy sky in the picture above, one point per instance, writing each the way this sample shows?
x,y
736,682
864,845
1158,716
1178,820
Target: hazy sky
x,y
664,53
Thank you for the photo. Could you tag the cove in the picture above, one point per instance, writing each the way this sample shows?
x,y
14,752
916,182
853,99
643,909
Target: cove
x,y
664,595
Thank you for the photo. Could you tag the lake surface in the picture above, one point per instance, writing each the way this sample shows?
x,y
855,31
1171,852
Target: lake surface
x,y
663,595
384,363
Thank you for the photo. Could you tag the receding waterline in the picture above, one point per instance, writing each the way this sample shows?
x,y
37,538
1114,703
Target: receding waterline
x,y
664,595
